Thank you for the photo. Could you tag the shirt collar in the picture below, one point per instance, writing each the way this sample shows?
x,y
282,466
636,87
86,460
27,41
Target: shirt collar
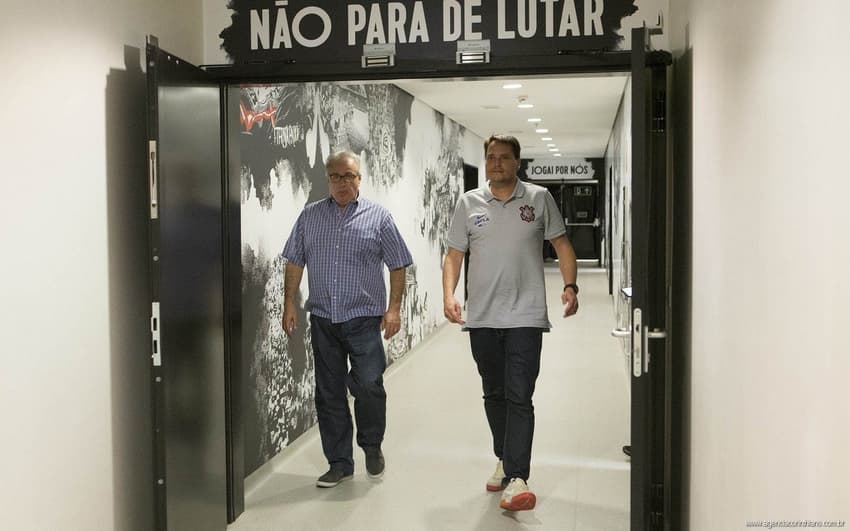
x,y
519,191
333,203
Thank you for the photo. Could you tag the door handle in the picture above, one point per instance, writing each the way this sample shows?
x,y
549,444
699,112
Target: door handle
x,y
640,352
621,332
656,333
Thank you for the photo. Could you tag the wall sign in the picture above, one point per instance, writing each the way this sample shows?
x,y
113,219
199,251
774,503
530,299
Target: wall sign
x,y
562,169
321,31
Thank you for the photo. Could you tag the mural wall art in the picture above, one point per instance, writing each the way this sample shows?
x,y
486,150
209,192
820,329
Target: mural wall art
x,y
618,159
412,163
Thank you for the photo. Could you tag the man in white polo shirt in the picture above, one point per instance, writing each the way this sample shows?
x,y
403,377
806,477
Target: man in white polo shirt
x,y
503,226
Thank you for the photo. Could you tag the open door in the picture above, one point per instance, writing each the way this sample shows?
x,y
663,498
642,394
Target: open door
x,y
187,295
650,279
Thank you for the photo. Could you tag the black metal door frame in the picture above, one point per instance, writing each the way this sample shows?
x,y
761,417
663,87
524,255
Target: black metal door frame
x,y
651,259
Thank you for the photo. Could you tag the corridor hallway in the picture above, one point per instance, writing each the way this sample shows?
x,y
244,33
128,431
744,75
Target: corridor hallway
x,y
438,448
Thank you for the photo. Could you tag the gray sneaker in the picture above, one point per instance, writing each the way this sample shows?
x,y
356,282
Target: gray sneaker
x,y
374,462
332,478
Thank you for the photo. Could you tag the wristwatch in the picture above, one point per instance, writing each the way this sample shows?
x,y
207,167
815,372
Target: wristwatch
x,y
574,286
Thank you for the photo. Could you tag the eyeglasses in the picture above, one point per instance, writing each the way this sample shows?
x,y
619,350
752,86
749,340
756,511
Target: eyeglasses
x,y
339,177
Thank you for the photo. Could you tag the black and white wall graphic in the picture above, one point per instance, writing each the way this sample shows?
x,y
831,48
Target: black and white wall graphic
x,y
618,164
412,163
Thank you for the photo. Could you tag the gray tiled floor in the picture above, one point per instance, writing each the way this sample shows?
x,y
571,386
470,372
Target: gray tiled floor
x,y
438,444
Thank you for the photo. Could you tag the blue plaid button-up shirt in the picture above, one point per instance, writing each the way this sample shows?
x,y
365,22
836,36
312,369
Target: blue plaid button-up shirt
x,y
344,252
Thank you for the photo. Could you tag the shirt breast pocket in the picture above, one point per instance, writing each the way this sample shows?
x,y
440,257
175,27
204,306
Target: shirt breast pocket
x,y
366,242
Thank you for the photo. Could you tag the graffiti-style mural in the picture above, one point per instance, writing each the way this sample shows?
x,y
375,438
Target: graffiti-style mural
x,y
411,163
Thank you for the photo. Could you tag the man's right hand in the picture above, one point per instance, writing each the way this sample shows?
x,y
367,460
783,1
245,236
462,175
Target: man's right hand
x,y
451,309
290,319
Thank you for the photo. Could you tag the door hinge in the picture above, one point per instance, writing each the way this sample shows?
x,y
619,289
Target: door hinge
x,y
656,515
659,112
156,345
656,520
152,178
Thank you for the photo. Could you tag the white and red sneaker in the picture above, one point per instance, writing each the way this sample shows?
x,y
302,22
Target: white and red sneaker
x,y
517,497
494,484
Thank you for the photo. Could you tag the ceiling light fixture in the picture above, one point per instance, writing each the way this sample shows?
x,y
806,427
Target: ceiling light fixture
x,y
522,103
512,86
556,155
553,150
541,130
550,145
546,138
535,120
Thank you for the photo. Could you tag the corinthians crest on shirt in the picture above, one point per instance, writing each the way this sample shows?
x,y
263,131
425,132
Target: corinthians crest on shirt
x,y
526,213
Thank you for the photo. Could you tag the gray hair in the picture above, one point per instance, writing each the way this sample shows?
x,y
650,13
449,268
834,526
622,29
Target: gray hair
x,y
342,155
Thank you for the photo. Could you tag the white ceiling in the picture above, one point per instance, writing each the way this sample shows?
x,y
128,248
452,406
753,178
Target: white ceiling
x,y
578,111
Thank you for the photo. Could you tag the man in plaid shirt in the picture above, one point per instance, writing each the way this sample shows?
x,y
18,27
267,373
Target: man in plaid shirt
x,y
344,241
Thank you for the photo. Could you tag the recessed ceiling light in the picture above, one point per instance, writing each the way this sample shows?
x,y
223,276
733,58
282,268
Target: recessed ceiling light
x,y
554,149
522,103
556,155
535,120
541,130
550,145
546,138
512,86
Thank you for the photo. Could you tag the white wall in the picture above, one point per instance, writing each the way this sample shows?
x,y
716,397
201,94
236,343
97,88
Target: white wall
x,y
770,364
75,444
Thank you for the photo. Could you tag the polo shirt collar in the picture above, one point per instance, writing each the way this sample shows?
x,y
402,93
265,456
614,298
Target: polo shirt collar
x,y
519,191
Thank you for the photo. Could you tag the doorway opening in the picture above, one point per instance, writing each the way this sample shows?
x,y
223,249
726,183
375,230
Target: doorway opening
x,y
411,125
308,139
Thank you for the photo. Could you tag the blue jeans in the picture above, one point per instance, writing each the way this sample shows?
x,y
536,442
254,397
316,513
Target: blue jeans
x,y
508,361
357,341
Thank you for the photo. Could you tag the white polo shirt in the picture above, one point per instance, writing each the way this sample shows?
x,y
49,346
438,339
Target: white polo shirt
x,y
505,243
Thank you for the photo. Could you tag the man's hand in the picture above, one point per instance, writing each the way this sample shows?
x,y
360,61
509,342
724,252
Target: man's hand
x,y
570,299
290,319
451,309
391,323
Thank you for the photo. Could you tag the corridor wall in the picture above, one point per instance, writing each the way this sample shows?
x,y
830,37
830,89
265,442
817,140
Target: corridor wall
x,y
760,123
75,315
618,157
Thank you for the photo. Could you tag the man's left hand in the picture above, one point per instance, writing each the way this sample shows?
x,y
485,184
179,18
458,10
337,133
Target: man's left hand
x,y
391,323
570,299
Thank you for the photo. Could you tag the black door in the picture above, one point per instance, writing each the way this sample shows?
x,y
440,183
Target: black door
x,y
650,265
580,209
187,306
